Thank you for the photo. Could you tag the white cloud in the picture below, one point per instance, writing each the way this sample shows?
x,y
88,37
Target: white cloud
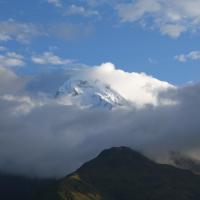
x,y
80,10
171,17
49,58
137,9
139,88
172,30
21,32
11,59
56,3
193,55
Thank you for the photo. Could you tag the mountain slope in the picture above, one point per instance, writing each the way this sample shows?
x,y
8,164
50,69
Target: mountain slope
x,y
123,174
88,93
116,174
185,162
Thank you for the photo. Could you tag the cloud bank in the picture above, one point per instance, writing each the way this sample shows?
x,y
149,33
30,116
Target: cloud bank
x,y
42,137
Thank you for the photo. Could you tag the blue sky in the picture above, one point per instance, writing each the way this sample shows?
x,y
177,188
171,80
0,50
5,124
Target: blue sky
x,y
160,39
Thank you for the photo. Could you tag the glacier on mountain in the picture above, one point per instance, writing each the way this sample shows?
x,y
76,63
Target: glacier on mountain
x,y
90,93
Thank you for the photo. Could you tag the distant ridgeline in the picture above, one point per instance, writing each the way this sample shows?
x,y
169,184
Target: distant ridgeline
x,y
118,173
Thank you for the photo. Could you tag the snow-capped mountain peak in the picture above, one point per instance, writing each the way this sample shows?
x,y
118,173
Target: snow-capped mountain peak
x,y
90,93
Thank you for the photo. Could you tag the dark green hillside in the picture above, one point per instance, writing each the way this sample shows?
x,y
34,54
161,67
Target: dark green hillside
x,y
116,174
123,174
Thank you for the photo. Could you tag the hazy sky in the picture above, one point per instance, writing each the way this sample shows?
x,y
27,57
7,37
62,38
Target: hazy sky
x,y
158,37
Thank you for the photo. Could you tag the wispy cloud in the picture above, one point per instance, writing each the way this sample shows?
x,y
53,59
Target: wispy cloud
x,y
172,17
81,10
152,60
49,58
84,9
193,55
19,31
56,3
11,59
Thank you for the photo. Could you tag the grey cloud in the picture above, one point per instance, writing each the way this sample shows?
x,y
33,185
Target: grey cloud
x,y
9,82
52,140
19,31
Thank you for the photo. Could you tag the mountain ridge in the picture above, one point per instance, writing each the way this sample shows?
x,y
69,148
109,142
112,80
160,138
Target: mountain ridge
x,y
121,173
118,173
